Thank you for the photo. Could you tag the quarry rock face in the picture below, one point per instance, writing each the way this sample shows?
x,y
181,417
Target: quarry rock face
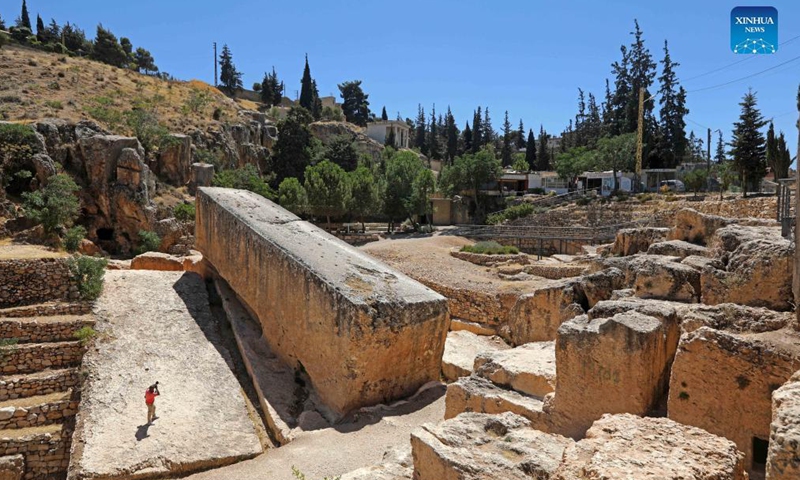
x,y
477,394
723,382
677,248
460,351
783,462
536,316
634,240
758,270
662,278
609,365
363,333
631,447
175,160
693,226
529,368
476,446
600,285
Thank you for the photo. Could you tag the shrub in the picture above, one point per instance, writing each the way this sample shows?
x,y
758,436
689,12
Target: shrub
x,y
671,198
583,201
85,334
72,240
88,273
644,197
17,143
3,40
536,191
510,213
55,205
490,248
55,104
148,242
184,212
245,178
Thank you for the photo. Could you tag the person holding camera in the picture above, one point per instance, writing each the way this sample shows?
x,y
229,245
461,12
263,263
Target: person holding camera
x,y
150,400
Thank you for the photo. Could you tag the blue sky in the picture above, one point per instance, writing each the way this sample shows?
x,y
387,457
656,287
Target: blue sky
x,y
527,57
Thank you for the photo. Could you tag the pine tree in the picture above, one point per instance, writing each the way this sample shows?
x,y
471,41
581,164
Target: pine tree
x,y
40,32
672,126
107,49
271,89
772,147
477,131
452,136
608,112
543,160
622,93
420,130
307,89
719,156
520,137
316,104
748,146
505,151
642,73
593,125
144,61
53,32
530,151
433,137
24,18
2,23
487,132
230,78
355,103
580,140
384,117
467,135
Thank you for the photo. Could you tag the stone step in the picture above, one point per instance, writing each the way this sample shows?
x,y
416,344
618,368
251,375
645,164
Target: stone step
x,y
528,369
476,394
460,350
45,449
37,411
39,383
47,309
35,357
53,430
41,329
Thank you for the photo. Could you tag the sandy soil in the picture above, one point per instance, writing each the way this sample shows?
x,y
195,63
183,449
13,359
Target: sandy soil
x,y
428,259
9,251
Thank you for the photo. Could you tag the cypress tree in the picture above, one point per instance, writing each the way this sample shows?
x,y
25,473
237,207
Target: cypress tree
x,y
467,134
307,89
230,78
783,159
477,131
772,147
384,117
608,115
40,32
452,136
719,156
748,146
316,104
672,126
24,18
487,132
520,137
433,137
420,131
505,151
530,150
543,160
2,23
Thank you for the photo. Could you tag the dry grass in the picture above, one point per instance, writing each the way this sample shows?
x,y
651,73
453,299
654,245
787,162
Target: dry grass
x,y
9,251
36,84
36,400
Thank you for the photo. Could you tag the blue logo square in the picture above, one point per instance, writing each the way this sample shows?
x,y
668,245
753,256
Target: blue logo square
x,y
754,30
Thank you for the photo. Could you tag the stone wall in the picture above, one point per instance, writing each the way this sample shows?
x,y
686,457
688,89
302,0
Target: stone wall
x,y
29,281
483,259
37,415
46,454
27,358
364,333
39,384
48,309
41,330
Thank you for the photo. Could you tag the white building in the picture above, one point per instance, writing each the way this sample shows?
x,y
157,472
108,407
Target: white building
x,y
378,131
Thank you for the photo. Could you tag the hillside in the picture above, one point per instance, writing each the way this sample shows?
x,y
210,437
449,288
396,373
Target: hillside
x,y
36,84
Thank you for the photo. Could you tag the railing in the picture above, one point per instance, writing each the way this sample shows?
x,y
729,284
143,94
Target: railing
x,y
786,212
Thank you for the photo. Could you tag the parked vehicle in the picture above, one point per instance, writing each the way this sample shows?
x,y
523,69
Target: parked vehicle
x,y
673,185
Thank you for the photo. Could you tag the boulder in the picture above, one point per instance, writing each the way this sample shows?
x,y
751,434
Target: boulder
x,y
677,248
477,394
693,226
175,160
600,285
661,278
700,263
631,447
528,369
634,240
734,318
87,247
460,350
202,175
783,460
476,446
157,261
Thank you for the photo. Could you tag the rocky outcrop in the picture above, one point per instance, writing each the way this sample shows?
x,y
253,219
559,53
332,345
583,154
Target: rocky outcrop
x,y
364,333
634,240
461,349
536,316
661,278
758,270
699,228
476,446
202,175
175,160
677,248
630,447
600,285
783,461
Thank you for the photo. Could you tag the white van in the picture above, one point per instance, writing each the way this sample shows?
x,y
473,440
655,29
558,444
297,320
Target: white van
x,y
672,185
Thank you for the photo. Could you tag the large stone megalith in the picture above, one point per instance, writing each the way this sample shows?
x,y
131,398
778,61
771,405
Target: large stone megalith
x,y
364,333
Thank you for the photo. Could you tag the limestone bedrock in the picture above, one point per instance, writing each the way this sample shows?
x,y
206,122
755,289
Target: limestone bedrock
x,y
364,333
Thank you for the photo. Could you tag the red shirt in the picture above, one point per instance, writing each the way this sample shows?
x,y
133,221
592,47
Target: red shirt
x,y
149,397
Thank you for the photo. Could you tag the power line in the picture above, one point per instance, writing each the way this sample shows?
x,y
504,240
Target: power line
x,y
713,87
749,57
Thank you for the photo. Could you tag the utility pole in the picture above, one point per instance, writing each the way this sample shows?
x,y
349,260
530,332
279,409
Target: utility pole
x,y
639,139
708,149
215,64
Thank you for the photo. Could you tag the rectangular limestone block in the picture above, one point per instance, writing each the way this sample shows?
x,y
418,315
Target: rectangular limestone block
x,y
529,369
364,333
783,462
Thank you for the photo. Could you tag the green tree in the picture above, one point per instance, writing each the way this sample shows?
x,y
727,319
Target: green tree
x,y
530,150
400,171
144,61
543,155
292,151
748,146
271,89
75,39
672,123
40,31
719,156
2,23
364,194
55,206
574,162
506,150
245,178
53,32
230,78
342,151
307,89
466,136
617,154
107,49
726,174
292,196
433,137
470,172
783,158
355,103
422,188
487,131
327,188
126,45
520,136
771,147
384,116
24,19
696,180
420,131
519,164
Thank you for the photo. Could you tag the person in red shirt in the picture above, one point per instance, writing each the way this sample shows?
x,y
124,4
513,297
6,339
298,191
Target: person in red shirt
x,y
150,400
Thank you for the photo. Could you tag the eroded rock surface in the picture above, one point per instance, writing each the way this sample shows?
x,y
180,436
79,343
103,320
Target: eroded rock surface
x,y
783,462
529,368
461,349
